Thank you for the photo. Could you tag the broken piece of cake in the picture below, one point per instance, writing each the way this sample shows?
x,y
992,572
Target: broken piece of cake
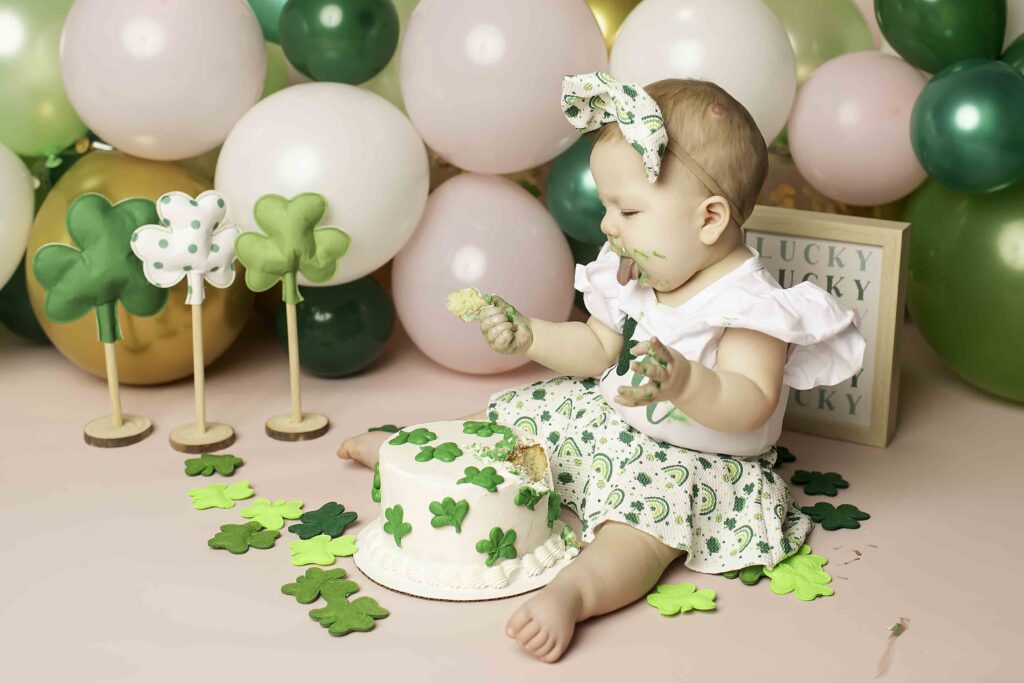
x,y
467,303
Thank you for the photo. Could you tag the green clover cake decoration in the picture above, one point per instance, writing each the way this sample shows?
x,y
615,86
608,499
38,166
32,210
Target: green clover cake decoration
x,y
554,507
446,452
420,436
101,270
528,496
448,513
488,478
481,429
395,525
375,488
499,545
291,243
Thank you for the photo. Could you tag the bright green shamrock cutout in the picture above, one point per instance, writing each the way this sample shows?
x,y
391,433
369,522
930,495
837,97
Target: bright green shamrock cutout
x,y
395,526
219,495
554,507
272,515
102,270
341,616
802,573
420,436
487,478
673,598
375,490
820,483
448,513
316,581
322,549
292,244
206,464
528,496
238,538
500,544
832,518
330,519
390,429
748,575
446,452
481,429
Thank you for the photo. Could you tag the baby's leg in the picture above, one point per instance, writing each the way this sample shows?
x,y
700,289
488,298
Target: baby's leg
x,y
618,568
365,448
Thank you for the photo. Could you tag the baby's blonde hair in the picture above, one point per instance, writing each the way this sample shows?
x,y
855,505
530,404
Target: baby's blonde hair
x,y
717,131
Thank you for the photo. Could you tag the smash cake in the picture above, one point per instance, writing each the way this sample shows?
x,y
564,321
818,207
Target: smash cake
x,y
468,512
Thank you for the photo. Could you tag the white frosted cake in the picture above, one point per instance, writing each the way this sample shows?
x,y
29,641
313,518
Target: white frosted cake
x,y
468,512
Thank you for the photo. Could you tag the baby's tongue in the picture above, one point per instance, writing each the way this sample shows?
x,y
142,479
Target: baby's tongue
x,y
625,272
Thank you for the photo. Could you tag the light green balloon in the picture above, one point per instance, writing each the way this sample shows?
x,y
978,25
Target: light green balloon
x,y
386,82
36,117
277,70
820,30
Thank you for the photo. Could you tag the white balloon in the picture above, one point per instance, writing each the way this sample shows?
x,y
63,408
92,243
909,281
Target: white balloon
x,y
345,143
17,206
738,44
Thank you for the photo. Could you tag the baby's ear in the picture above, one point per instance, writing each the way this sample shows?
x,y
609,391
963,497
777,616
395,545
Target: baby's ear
x,y
715,214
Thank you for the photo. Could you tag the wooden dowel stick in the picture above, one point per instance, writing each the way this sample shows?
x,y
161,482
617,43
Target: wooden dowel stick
x,y
198,366
293,362
115,397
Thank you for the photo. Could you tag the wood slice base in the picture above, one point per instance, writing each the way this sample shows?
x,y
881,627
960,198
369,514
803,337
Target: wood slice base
x,y
284,428
188,438
102,433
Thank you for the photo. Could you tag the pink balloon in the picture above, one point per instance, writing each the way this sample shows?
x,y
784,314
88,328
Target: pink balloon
x,y
485,232
482,79
849,132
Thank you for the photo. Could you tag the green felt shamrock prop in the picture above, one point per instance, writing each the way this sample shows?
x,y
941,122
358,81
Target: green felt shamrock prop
x,y
832,518
420,436
238,538
528,496
375,490
748,575
395,526
272,515
332,584
448,513
103,270
322,549
330,519
219,495
820,483
673,598
481,429
802,573
626,353
488,478
446,452
341,616
554,507
783,455
390,429
291,244
499,544
206,464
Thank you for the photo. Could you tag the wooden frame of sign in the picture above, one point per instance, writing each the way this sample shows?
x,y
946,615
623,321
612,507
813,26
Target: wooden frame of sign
x,y
863,263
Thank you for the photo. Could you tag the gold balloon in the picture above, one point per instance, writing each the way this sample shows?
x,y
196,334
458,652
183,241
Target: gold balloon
x,y
156,349
610,14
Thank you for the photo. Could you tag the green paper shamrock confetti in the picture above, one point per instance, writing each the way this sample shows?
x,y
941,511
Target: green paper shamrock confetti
x,y
820,483
291,244
528,496
448,513
446,452
102,270
272,515
341,616
322,549
500,544
832,518
331,583
783,455
802,573
390,429
673,598
375,489
330,519
488,478
481,429
207,463
395,526
748,575
420,436
219,495
238,538
554,507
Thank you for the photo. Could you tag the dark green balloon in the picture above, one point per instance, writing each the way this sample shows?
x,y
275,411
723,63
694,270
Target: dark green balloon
x,y
342,329
572,194
16,312
966,126
1014,55
345,41
966,284
932,34
583,253
268,12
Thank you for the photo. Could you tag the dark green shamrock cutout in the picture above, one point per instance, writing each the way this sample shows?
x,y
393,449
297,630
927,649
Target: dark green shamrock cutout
x,y
554,507
748,575
626,353
341,616
420,436
487,478
395,526
500,544
820,483
375,488
291,244
448,513
390,429
330,519
481,429
330,583
238,538
446,452
528,496
103,270
832,518
206,464
783,455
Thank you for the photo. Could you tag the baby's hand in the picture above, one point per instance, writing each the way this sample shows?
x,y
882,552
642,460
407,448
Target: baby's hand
x,y
505,329
667,370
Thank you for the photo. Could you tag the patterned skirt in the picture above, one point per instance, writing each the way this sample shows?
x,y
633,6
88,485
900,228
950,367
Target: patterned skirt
x,y
725,512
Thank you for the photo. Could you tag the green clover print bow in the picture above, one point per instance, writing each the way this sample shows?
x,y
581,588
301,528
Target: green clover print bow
x,y
292,243
103,270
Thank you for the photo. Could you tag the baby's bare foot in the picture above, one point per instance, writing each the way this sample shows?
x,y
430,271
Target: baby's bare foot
x,y
544,624
364,448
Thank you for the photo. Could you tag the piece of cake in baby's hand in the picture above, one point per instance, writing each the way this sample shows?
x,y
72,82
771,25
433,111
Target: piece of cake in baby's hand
x,y
467,303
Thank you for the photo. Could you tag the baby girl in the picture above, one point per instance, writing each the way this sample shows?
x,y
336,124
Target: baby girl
x,y
662,425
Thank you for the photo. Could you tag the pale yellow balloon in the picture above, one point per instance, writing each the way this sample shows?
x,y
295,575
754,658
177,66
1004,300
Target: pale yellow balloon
x,y
820,30
610,14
